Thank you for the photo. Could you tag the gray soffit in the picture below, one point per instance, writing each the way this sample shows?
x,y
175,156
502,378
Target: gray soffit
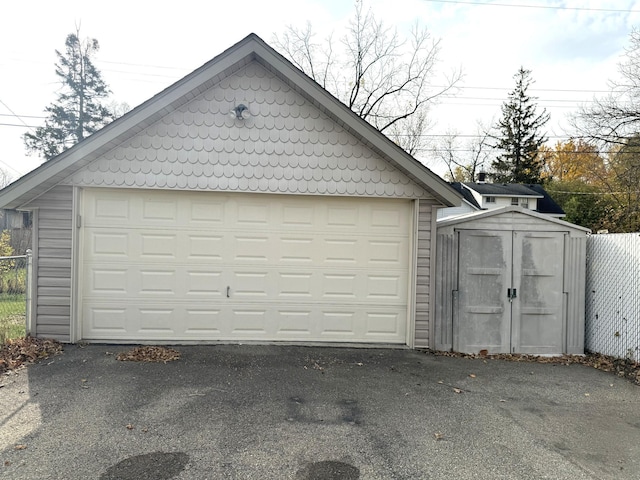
x,y
251,48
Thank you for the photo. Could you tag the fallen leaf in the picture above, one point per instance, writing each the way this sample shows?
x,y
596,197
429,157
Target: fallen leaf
x,y
457,390
129,426
587,394
472,375
149,353
502,400
145,430
20,446
440,382
83,380
359,364
438,435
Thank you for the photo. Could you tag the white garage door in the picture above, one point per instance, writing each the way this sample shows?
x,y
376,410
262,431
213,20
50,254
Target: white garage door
x,y
175,266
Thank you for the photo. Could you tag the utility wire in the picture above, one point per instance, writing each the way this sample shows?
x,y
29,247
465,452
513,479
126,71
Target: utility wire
x,y
547,7
17,116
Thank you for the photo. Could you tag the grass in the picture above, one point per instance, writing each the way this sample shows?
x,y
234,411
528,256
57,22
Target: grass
x,y
13,280
12,316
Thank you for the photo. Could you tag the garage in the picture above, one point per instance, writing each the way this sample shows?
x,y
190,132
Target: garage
x,y
214,266
512,281
242,203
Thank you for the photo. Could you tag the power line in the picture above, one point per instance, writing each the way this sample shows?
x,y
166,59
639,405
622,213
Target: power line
x,y
586,193
17,116
547,7
18,125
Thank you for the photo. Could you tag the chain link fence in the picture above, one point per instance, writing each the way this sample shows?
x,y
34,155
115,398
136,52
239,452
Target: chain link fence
x,y
14,296
613,295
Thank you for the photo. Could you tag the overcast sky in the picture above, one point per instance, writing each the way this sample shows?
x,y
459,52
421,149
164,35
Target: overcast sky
x,y
571,46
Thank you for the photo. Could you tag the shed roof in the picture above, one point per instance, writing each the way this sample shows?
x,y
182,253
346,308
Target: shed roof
x,y
470,217
251,48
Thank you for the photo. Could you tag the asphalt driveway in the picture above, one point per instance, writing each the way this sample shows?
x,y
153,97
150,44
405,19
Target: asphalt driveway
x,y
276,412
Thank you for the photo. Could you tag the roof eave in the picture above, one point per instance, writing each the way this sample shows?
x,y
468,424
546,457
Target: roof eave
x,y
251,47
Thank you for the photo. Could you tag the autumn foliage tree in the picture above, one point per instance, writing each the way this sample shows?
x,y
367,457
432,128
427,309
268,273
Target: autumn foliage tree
x,y
78,110
622,183
613,123
573,160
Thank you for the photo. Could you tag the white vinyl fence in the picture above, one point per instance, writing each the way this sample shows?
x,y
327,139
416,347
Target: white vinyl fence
x,y
613,295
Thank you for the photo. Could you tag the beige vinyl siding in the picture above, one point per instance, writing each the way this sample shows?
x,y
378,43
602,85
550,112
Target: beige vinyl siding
x,y
423,277
52,251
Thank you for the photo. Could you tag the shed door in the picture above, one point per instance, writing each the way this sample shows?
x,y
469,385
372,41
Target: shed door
x,y
192,266
529,266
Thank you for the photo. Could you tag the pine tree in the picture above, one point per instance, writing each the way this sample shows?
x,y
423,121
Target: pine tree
x,y
520,138
78,111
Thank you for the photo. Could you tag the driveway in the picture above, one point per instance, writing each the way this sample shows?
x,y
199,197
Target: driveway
x,y
280,412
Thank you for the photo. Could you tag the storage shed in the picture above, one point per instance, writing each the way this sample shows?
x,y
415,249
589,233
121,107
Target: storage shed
x,y
510,280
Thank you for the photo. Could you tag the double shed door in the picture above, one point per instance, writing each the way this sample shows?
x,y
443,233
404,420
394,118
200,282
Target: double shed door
x,y
510,292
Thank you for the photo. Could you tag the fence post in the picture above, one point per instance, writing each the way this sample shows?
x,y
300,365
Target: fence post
x,y
28,295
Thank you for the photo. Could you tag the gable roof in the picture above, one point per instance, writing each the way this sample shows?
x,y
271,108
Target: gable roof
x,y
545,204
251,48
507,209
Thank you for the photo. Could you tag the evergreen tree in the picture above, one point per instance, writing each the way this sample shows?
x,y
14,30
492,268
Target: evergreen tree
x,y
78,111
520,138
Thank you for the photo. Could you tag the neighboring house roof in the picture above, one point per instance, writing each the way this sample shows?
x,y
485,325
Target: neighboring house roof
x,y
466,194
503,189
545,204
251,48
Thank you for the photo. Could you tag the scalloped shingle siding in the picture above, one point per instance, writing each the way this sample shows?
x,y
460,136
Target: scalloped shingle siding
x,y
287,145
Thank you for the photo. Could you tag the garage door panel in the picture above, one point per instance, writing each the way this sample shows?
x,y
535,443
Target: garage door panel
x,y
105,321
108,209
207,283
109,244
157,321
108,281
297,250
201,247
203,322
191,266
163,210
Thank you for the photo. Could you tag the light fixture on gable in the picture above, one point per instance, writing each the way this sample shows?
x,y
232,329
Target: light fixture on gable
x,y
240,112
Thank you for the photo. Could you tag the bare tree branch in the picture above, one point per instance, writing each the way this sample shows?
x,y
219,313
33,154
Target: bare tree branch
x,y
386,79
